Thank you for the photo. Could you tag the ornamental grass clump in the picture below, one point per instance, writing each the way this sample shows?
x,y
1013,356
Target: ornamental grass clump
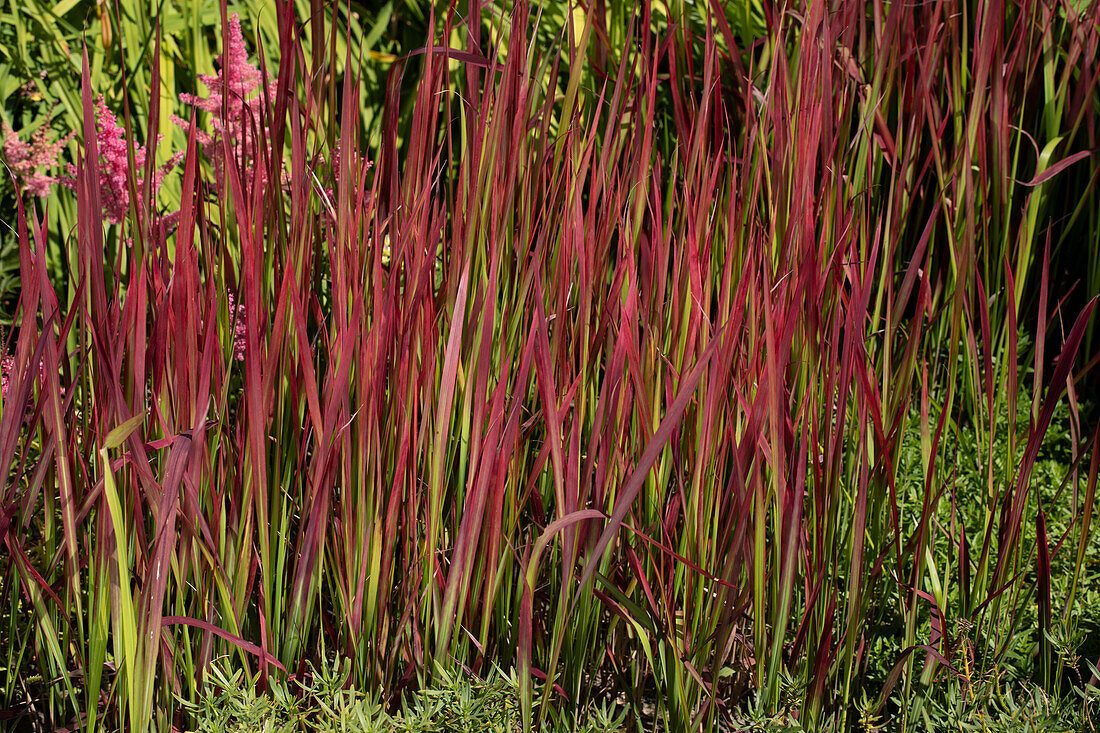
x,y
725,382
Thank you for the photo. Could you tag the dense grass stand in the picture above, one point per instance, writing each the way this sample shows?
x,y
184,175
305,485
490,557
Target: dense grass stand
x,y
672,366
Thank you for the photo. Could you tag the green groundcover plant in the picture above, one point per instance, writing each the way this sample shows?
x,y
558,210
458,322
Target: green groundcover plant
x,y
701,366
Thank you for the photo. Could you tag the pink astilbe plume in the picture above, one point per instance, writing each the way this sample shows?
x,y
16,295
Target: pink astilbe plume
x,y
114,164
238,318
7,364
8,372
233,103
28,160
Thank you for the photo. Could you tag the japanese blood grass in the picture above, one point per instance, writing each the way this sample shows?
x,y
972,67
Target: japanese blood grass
x,y
600,382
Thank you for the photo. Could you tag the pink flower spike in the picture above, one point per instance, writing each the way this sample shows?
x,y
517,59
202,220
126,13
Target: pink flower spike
x,y
233,104
237,317
7,364
114,164
28,159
